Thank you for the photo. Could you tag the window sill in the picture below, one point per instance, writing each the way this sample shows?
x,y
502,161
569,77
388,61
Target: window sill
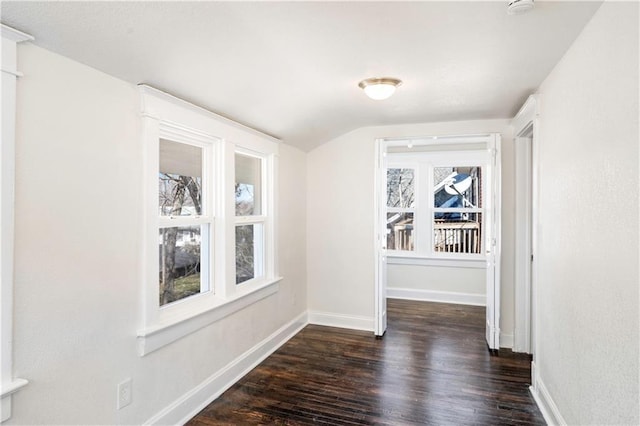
x,y
451,262
12,387
157,336
8,389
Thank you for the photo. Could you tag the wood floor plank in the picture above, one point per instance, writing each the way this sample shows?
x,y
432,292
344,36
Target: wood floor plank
x,y
431,367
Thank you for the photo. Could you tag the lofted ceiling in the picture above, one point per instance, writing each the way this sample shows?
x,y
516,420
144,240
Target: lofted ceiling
x,y
291,69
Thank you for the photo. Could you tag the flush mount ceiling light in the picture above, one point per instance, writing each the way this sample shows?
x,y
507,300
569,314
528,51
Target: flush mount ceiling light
x,y
518,7
379,88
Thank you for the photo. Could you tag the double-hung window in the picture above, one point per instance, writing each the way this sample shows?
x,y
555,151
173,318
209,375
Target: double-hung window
x,y
401,204
437,198
209,234
185,220
457,209
250,219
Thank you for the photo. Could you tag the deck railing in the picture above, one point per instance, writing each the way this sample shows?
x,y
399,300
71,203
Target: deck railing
x,y
457,237
400,237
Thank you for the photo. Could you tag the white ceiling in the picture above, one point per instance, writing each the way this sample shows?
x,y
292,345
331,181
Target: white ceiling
x,y
291,69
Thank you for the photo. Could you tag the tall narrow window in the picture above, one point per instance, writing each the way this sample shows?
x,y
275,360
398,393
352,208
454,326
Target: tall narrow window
x,y
457,212
250,217
184,224
400,208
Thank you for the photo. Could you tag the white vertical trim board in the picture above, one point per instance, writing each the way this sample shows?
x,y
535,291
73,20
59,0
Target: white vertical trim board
x,y
545,402
331,319
192,402
437,296
525,130
380,240
493,242
8,384
523,245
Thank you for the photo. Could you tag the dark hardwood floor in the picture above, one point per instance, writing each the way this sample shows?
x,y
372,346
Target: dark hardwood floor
x,y
431,367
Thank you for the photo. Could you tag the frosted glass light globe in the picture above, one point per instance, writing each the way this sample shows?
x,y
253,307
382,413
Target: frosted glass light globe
x,y
380,91
379,88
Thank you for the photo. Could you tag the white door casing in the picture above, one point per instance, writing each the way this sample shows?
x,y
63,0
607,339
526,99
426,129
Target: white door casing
x,y
492,226
380,242
525,129
8,383
492,246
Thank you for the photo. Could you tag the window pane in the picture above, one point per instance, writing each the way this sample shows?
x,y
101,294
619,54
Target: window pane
x,y
457,233
248,252
179,179
457,187
248,185
400,231
180,259
400,188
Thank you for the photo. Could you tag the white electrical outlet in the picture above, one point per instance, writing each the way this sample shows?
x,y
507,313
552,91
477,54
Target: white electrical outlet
x,y
124,393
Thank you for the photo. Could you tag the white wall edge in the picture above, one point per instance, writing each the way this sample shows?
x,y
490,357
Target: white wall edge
x,y
437,296
545,402
331,319
192,402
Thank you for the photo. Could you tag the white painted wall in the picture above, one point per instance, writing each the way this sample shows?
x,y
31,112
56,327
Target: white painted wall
x,y
78,239
437,278
340,216
588,347
78,256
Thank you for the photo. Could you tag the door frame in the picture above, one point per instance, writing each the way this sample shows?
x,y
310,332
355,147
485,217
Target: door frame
x,y
525,127
493,249
380,241
493,245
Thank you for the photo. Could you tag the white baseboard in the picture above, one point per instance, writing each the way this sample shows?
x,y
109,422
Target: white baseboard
x,y
437,296
331,319
187,406
506,340
545,402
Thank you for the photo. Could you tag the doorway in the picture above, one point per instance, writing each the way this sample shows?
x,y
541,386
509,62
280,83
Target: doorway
x,y
525,126
438,208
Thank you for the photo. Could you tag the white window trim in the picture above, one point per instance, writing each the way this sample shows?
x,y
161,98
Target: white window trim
x,y
422,162
265,263
183,308
416,204
9,384
171,118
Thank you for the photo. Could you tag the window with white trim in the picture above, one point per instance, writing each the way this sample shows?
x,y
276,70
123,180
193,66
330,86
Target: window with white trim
x,y
209,234
250,218
400,208
184,219
435,203
457,210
